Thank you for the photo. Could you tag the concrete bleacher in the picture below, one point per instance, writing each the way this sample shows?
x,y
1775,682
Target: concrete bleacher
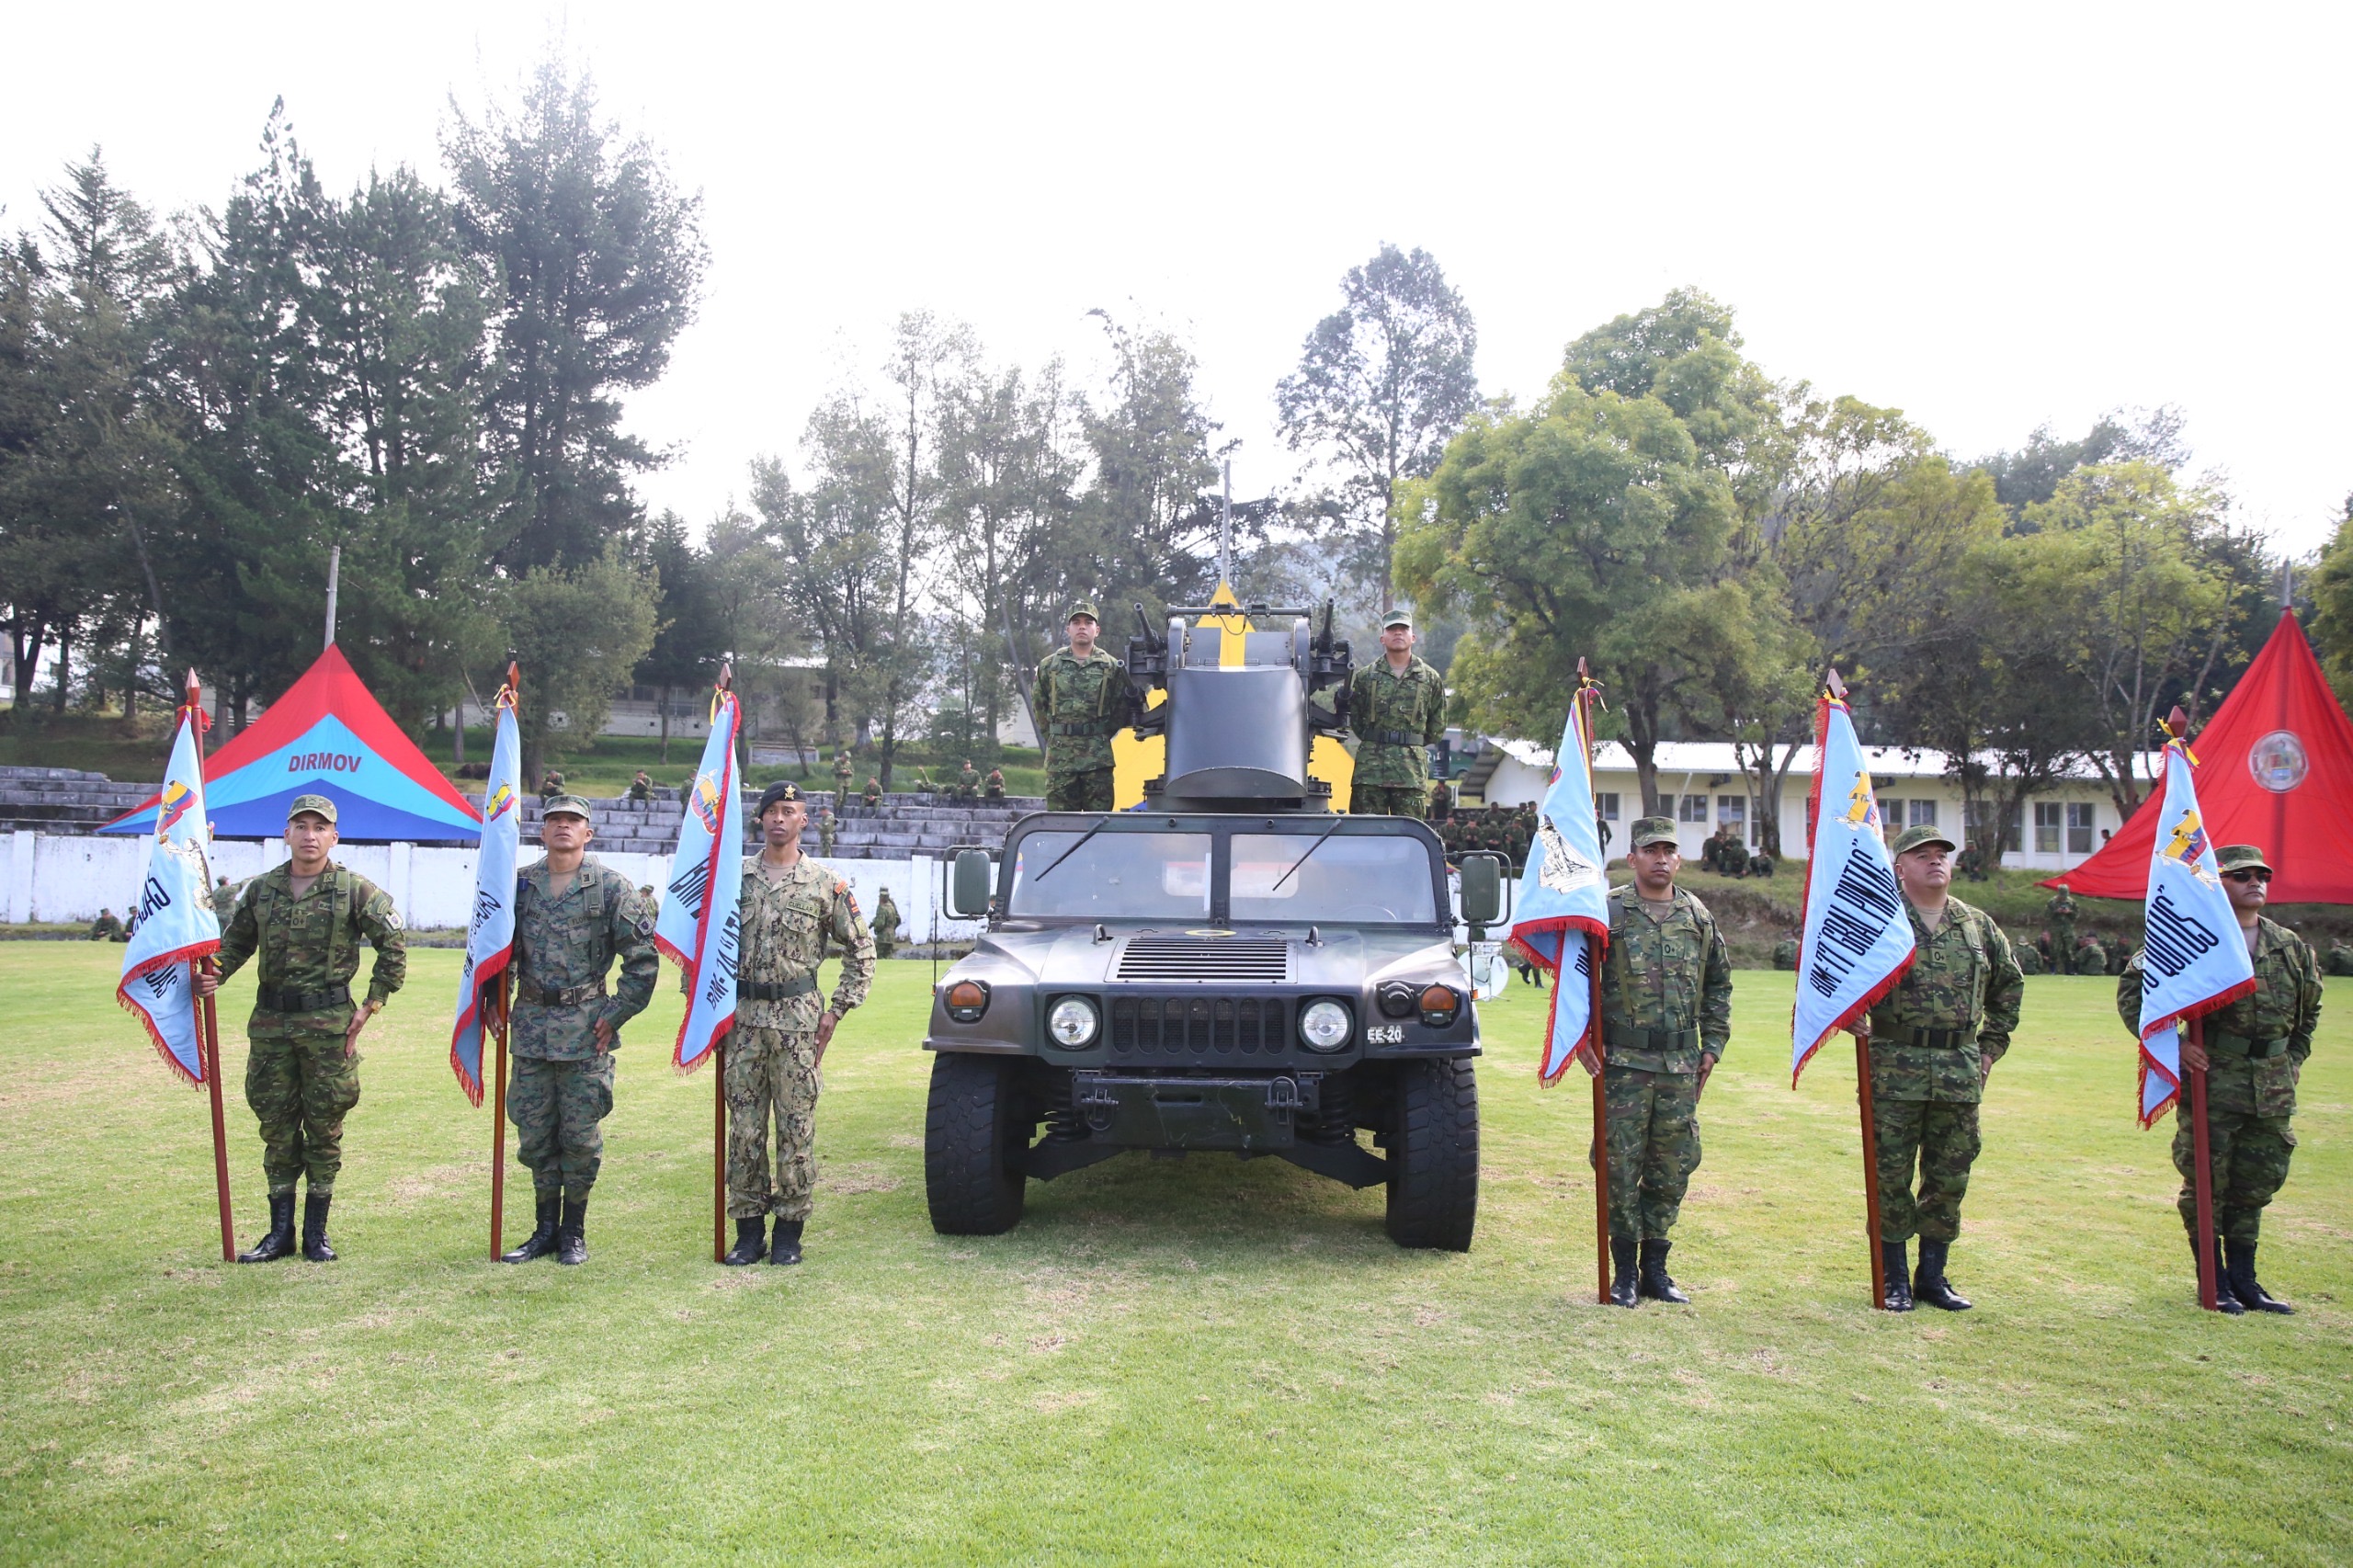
x,y
64,799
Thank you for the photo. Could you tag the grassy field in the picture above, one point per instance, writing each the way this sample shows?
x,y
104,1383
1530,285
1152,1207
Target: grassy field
x,y
1202,1360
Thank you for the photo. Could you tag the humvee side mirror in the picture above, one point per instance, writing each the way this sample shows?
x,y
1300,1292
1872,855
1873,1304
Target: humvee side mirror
x,y
968,892
1483,890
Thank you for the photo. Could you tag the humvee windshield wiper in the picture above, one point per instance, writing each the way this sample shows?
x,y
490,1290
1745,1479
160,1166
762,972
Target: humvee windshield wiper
x,y
1311,849
1073,850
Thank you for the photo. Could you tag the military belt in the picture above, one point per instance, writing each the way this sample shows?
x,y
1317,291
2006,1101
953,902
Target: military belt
x,y
774,990
1626,1037
1394,738
558,995
271,999
1090,727
1935,1039
2224,1046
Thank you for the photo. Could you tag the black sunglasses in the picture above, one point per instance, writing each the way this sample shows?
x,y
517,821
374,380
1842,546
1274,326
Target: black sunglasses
x,y
2250,875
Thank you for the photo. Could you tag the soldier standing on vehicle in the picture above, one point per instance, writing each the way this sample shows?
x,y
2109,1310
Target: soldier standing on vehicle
x,y
791,908
1665,1016
1397,707
305,919
886,925
1934,1042
2254,1054
574,915
1081,699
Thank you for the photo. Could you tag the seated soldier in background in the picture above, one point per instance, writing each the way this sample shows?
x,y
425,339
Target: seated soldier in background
x,y
641,789
1735,852
873,796
994,786
1760,865
968,781
107,928
1785,953
2029,958
2340,957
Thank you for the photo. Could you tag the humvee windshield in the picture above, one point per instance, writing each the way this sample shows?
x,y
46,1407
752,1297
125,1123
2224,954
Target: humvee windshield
x,y
1347,879
1113,876
1126,875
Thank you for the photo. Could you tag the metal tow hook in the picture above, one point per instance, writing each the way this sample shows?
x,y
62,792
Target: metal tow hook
x,y
1282,1098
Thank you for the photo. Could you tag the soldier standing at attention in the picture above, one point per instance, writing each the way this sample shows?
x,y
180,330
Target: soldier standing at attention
x,y
842,775
1934,1042
1397,707
824,832
1081,700
1441,802
574,915
107,928
792,907
305,918
1665,1015
2060,913
2254,1054
886,925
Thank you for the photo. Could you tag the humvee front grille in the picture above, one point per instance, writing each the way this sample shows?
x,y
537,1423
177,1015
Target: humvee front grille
x,y
1198,1028
1250,959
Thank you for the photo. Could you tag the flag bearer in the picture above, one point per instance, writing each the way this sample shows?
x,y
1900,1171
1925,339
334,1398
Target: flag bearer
x,y
305,919
2254,1054
791,908
1665,1015
574,915
1934,1041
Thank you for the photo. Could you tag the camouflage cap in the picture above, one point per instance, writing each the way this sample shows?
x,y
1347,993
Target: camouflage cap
x,y
1086,607
1653,830
557,804
318,804
2240,857
1918,834
1401,617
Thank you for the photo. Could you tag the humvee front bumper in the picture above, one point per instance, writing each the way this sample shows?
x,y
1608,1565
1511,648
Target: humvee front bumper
x,y
1248,1116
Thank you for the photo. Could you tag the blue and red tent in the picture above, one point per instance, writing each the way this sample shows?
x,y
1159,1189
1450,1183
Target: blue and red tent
x,y
327,735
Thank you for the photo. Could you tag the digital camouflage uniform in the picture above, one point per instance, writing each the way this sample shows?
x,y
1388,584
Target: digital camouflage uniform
x,y
1396,719
562,1084
1665,1004
825,833
1952,1011
994,787
772,1071
842,773
107,928
873,796
1082,703
2256,1048
886,925
1785,953
641,789
298,1080
2060,915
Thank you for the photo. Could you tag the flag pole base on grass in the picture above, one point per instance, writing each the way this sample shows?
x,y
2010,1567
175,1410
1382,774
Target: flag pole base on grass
x,y
719,1154
2195,1081
219,1130
498,1149
1600,1143
1870,1172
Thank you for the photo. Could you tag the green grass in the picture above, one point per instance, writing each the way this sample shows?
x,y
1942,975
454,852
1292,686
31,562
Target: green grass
x,y
1202,1360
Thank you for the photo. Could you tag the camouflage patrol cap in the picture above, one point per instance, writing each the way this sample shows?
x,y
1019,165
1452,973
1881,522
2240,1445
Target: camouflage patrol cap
x,y
319,805
1919,834
782,790
1086,607
1399,616
2241,857
558,804
1653,830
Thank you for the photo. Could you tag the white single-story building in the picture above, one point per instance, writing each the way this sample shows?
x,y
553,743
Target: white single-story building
x,y
1702,784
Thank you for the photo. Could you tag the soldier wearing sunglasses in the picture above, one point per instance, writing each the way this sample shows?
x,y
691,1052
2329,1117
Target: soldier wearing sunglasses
x,y
2254,1052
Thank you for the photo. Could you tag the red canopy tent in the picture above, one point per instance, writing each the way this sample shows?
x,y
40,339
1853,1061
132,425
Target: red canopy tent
x,y
2275,770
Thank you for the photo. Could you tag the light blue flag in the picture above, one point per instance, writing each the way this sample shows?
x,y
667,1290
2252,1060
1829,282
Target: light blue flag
x,y
699,926
1857,941
490,933
173,924
2194,959
1562,919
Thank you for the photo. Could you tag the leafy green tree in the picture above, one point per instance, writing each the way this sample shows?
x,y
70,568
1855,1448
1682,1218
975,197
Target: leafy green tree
x,y
1149,511
689,635
577,632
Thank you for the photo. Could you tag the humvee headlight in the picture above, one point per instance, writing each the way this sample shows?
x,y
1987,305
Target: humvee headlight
x,y
1324,1025
1072,1022
967,1000
1396,999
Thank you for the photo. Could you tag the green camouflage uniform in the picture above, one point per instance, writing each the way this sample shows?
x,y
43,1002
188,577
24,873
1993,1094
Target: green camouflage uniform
x,y
842,772
550,785
825,834
1082,703
2060,915
886,925
1665,1004
107,928
1397,718
772,1051
873,796
994,787
2340,957
562,1085
298,1080
1951,1013
2256,1047
2028,956
641,791
968,783
1785,953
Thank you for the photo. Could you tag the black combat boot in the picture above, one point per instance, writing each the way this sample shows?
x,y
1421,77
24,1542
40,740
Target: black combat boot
x,y
751,1242
1929,1285
1622,1289
572,1233
787,1248
314,1226
541,1240
1654,1282
2244,1284
2226,1302
1899,1278
280,1241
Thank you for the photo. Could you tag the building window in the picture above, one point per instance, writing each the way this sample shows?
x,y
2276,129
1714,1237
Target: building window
x,y
1922,813
2046,827
1691,808
1973,817
2079,828
1732,808
1605,805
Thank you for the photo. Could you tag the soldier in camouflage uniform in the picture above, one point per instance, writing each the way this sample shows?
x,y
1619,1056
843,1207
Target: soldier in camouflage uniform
x,y
2254,1054
1785,953
886,925
305,919
574,915
1665,1015
550,785
1934,1041
843,771
108,929
641,789
2339,960
994,786
792,908
2060,915
1441,803
1081,699
824,832
873,796
2028,956
1397,707
968,781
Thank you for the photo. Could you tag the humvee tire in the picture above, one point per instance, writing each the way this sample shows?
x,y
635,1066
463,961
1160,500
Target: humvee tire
x,y
972,1140
1434,1155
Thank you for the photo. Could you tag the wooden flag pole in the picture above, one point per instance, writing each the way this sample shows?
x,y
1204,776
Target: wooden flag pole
x,y
2194,1083
208,1017
1601,1144
719,1052
501,996
1871,1170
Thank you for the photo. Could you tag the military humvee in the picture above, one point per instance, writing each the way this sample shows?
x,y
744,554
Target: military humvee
x,y
1229,965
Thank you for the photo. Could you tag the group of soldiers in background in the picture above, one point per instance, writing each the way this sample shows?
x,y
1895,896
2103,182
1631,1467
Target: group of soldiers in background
x,y
1502,830
1726,853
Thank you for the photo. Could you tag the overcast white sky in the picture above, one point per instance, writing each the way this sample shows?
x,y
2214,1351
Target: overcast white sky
x,y
1987,216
